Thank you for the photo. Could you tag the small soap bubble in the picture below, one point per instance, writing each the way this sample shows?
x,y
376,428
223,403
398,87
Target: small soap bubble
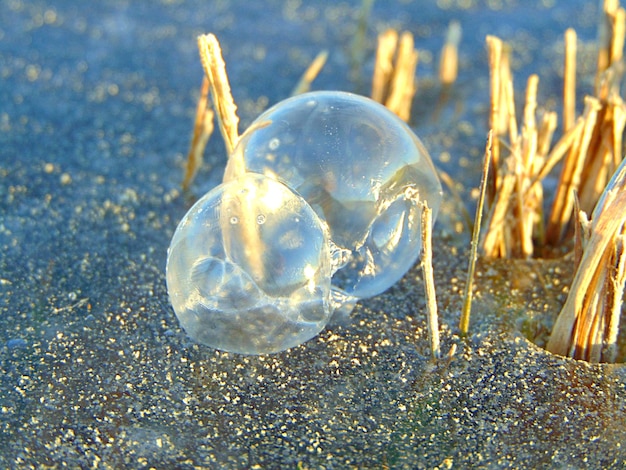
x,y
236,286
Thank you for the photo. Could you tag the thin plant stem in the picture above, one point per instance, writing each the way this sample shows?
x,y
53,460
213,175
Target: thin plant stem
x,y
469,283
449,62
569,80
310,73
215,69
202,130
429,281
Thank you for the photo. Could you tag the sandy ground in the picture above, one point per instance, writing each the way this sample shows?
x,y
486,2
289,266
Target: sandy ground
x,y
97,106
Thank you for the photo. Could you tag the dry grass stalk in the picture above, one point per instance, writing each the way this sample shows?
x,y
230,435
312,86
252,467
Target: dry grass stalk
x,y
494,47
605,152
569,81
604,37
402,88
469,283
619,33
449,62
429,280
202,130
393,83
571,175
310,74
611,39
588,324
598,151
234,201
383,68
496,242
215,70
515,198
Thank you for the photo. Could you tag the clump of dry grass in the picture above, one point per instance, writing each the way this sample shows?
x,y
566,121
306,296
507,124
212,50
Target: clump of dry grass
x,y
590,147
588,325
591,150
393,83
515,195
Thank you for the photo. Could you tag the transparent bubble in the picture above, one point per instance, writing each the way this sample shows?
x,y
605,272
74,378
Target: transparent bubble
x,y
362,170
249,268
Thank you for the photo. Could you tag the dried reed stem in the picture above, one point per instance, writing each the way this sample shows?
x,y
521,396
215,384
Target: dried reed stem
x,y
383,69
587,326
571,175
529,202
569,80
234,201
402,88
611,34
496,241
429,280
393,82
202,130
604,37
310,74
494,46
215,70
617,41
546,132
469,283
616,299
449,62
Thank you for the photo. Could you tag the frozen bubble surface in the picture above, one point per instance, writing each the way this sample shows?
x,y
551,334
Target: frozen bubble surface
x,y
361,169
249,268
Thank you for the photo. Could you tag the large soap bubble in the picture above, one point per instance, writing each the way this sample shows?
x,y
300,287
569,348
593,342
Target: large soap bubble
x,y
249,268
326,212
361,169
